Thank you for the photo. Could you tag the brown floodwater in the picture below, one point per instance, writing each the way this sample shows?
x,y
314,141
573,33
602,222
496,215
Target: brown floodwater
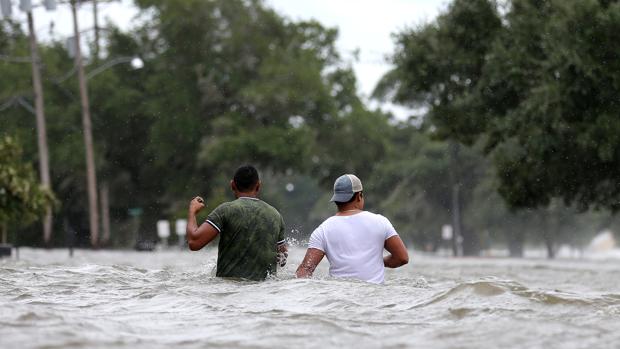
x,y
170,299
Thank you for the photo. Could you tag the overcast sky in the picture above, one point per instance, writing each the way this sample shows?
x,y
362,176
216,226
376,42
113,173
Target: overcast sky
x,y
364,25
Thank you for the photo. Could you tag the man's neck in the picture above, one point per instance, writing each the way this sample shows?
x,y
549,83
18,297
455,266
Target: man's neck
x,y
348,210
252,195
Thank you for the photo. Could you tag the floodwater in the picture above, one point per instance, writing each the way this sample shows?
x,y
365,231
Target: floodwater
x,y
121,299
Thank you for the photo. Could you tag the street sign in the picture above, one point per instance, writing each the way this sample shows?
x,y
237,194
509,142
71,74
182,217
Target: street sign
x,y
135,211
163,229
180,226
70,46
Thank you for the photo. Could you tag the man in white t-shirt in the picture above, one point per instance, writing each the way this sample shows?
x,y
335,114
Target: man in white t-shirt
x,y
353,239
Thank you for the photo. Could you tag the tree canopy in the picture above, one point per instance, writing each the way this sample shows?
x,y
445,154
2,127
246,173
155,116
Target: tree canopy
x,y
22,199
536,85
517,112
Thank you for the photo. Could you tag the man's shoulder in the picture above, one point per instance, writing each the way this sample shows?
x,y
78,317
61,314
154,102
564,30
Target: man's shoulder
x,y
332,221
264,207
224,206
375,216
244,206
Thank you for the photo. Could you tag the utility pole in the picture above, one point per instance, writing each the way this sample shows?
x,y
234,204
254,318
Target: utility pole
x,y
104,190
91,176
44,168
455,200
105,212
96,28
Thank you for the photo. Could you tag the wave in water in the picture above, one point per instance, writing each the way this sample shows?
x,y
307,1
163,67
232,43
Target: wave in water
x,y
173,300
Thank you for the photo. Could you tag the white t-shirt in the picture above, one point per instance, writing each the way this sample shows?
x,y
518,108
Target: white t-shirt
x,y
354,245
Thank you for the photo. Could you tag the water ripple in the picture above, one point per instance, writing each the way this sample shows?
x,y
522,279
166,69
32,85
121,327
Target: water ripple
x,y
173,300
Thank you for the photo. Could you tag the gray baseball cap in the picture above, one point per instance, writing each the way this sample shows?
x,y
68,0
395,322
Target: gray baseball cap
x,y
345,187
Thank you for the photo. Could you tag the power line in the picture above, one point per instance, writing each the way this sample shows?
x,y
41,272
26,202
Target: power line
x,y
22,101
9,103
15,59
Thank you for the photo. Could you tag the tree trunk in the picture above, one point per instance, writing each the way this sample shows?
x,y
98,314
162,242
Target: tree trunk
x,y
105,213
91,177
4,232
456,222
455,202
470,244
549,244
44,169
515,244
464,242
548,237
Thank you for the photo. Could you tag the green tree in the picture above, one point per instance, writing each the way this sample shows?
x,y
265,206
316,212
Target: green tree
x,y
232,82
22,199
417,182
549,95
437,67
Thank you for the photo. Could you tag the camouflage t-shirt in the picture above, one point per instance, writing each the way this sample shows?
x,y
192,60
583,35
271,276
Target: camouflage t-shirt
x,y
250,230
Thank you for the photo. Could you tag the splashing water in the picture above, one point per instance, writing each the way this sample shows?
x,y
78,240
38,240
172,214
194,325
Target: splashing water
x,y
171,299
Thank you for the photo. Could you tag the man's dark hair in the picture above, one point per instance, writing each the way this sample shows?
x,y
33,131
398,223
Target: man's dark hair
x,y
339,204
246,178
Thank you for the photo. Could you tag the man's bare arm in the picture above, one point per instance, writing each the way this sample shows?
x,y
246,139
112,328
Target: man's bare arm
x,y
282,251
398,253
311,260
198,237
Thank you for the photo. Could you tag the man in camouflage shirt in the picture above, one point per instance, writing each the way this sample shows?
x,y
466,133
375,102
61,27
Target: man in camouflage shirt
x,y
251,231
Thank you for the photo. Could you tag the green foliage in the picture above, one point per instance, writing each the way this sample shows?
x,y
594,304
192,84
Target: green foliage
x,y
224,83
22,199
537,86
557,135
227,82
534,86
414,184
253,87
438,66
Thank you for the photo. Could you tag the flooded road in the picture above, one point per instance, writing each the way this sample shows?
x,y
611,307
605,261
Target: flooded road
x,y
116,299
